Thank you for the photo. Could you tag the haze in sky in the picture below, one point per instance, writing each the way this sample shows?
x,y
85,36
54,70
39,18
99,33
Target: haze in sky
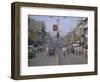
x,y
66,23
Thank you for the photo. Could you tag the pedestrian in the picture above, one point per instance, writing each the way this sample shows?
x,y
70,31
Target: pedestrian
x,y
72,50
68,50
46,52
75,49
78,50
40,50
34,52
43,50
85,51
64,50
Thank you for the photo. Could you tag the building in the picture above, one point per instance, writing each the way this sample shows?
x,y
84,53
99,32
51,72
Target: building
x,y
79,35
70,38
81,32
37,33
35,29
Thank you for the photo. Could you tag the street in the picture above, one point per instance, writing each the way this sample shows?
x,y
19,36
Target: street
x,y
59,43
58,59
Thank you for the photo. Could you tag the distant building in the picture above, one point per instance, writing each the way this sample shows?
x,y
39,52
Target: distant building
x,y
69,38
37,33
81,32
35,29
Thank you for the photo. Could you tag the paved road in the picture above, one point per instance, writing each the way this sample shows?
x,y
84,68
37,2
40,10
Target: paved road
x,y
58,59
42,61
70,58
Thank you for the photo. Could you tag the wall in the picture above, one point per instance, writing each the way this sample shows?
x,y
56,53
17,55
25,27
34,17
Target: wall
x,y
5,40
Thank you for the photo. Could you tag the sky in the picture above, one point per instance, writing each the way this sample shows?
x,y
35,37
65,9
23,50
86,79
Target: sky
x,y
66,24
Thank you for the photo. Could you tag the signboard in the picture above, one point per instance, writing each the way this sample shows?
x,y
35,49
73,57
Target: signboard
x,y
33,35
55,27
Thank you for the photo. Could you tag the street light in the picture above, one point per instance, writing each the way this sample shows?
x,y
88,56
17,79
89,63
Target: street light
x,y
57,18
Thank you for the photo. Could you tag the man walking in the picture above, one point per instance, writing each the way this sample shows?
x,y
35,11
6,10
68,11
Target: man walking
x,y
64,51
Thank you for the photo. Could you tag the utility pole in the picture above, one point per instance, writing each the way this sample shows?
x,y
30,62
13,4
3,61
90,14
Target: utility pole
x,y
57,19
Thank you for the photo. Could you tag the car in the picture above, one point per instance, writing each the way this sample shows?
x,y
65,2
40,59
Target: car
x,y
51,51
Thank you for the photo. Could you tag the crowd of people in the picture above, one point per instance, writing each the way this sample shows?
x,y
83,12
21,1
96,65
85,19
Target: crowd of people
x,y
75,49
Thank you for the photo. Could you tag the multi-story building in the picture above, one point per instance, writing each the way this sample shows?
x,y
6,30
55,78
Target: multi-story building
x,y
35,29
69,38
81,32
79,35
37,33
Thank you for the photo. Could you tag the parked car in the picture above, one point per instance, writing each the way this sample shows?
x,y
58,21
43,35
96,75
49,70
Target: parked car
x,y
51,51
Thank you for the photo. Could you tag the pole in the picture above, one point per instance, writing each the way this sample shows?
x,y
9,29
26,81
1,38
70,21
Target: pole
x,y
57,45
